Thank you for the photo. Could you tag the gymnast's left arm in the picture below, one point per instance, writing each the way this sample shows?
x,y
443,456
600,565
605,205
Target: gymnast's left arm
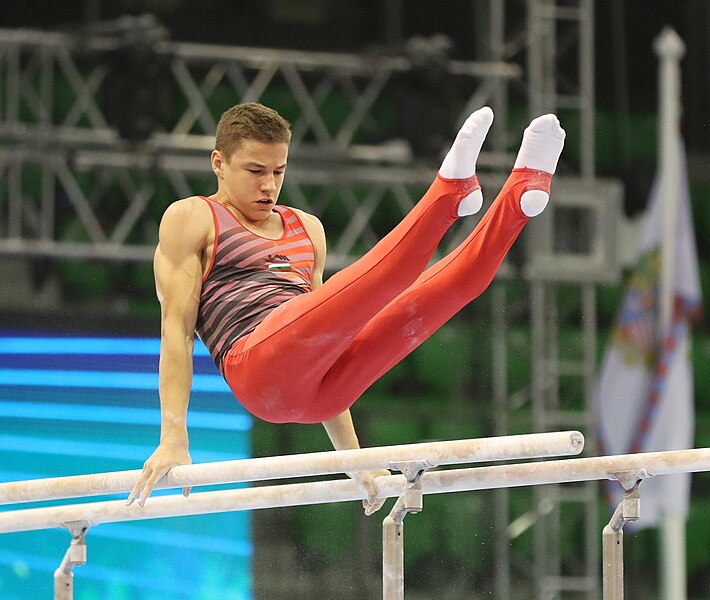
x,y
315,231
340,429
341,432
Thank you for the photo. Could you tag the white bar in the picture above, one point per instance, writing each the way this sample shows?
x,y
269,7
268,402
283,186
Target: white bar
x,y
323,492
534,445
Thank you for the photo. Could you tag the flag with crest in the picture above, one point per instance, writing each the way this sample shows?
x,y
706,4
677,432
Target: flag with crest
x,y
645,397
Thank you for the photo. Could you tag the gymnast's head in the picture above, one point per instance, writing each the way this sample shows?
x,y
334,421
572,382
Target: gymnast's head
x,y
250,122
250,155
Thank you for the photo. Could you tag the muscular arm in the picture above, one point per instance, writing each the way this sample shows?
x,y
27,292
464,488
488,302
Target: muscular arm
x,y
340,429
341,432
315,231
178,277
184,231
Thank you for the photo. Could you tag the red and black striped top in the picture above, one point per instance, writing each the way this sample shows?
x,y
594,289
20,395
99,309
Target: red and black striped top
x,y
249,277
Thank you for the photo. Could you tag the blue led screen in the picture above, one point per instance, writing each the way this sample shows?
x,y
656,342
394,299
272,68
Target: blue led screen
x,y
70,406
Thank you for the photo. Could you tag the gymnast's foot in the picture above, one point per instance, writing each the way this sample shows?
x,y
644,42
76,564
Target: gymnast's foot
x,y
460,161
542,145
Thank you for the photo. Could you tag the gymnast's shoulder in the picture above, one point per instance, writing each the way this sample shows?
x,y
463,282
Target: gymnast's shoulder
x,y
191,213
313,226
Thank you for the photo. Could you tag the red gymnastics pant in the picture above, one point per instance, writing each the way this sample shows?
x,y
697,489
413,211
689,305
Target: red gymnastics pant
x,y
313,356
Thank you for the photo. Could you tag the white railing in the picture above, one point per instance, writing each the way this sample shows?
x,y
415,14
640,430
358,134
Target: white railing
x,y
413,460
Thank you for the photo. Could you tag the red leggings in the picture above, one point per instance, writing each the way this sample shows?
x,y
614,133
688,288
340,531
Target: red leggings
x,y
312,357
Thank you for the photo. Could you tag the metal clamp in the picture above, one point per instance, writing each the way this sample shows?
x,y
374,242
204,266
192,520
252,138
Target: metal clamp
x,y
630,506
628,479
412,470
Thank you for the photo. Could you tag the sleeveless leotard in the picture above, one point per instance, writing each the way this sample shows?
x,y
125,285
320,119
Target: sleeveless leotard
x,y
249,277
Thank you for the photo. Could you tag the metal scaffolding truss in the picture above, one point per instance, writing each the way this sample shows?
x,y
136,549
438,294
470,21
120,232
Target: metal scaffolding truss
x,y
62,156
563,31
560,67
556,41
97,204
54,87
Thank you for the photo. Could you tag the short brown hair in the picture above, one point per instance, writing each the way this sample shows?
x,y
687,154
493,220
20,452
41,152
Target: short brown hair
x,y
250,121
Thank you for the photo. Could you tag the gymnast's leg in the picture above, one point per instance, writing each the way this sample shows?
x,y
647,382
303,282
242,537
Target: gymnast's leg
x,y
453,282
307,334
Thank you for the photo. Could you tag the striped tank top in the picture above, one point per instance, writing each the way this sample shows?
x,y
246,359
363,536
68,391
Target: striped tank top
x,y
249,277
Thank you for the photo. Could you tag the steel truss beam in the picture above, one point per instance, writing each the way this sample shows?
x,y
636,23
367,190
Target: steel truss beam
x,y
75,189
555,38
107,205
53,84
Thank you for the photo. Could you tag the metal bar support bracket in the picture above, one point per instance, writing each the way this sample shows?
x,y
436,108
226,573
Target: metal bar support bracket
x,y
412,470
629,509
75,556
411,501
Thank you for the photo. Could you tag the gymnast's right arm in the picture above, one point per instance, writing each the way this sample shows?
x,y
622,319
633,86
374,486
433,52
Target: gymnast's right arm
x,y
183,235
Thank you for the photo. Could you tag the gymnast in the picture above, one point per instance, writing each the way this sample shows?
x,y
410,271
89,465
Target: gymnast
x,y
246,275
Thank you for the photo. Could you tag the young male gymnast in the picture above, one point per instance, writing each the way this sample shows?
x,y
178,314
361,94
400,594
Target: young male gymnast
x,y
246,275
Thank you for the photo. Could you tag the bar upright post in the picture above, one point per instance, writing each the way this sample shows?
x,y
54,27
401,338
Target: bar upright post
x,y
411,501
613,534
74,556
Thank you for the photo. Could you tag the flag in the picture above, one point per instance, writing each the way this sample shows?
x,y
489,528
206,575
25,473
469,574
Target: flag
x,y
645,394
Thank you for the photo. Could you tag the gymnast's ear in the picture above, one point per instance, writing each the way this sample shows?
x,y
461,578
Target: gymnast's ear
x,y
217,160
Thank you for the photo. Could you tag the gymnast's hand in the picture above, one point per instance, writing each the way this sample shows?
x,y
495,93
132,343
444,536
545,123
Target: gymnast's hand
x,y
165,457
366,480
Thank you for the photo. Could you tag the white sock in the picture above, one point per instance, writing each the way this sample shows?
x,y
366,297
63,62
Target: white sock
x,y
542,145
460,161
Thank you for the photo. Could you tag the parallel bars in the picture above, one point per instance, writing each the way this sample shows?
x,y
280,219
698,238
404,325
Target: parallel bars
x,y
412,459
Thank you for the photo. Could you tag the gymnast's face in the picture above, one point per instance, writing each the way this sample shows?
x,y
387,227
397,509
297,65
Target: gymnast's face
x,y
250,179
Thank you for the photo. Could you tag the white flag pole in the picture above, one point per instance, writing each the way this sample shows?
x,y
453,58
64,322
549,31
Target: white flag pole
x,y
670,49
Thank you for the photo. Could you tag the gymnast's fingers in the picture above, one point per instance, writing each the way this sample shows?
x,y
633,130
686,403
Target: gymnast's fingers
x,y
139,486
372,505
150,484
